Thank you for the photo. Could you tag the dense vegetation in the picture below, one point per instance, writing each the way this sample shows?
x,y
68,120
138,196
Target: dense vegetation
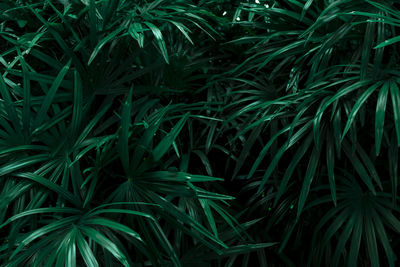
x,y
199,133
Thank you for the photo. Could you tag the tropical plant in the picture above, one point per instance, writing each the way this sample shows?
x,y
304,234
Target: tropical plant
x,y
322,75
199,133
94,168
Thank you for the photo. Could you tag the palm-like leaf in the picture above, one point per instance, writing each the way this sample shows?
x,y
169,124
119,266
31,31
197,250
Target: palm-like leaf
x,y
117,116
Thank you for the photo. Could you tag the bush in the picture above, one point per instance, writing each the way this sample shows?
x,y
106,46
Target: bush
x,y
199,133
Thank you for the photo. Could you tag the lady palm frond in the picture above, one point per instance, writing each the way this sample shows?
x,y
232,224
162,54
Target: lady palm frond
x,y
360,218
329,73
85,178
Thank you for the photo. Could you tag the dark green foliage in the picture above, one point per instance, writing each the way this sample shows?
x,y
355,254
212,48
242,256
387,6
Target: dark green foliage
x,y
199,133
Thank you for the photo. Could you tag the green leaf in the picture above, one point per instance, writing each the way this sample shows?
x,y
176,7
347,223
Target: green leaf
x,y
360,101
241,249
104,41
9,104
22,163
26,112
388,42
39,211
167,141
136,31
343,238
359,167
113,225
51,227
355,239
209,215
78,102
308,178
330,163
159,38
370,236
123,144
52,186
106,243
292,167
380,116
395,94
50,95
184,30
85,250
